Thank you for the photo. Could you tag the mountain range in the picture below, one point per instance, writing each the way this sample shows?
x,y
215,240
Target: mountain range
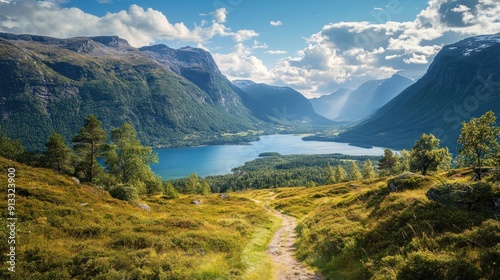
x,y
273,103
462,82
329,105
171,96
370,96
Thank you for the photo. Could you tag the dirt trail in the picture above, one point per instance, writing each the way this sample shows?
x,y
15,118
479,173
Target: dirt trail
x,y
281,251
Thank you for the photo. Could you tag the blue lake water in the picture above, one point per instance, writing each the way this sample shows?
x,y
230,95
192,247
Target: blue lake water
x,y
220,159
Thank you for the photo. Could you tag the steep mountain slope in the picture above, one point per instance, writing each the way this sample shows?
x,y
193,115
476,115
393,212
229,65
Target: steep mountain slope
x,y
52,84
370,96
462,82
329,106
276,104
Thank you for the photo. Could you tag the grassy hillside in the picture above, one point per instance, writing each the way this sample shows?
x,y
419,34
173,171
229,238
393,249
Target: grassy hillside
x,y
361,230
67,230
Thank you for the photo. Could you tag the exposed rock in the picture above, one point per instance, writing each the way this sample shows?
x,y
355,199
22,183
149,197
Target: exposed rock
x,y
196,202
144,206
224,196
76,180
84,204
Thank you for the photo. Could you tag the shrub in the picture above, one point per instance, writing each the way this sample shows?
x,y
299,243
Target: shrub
x,y
124,192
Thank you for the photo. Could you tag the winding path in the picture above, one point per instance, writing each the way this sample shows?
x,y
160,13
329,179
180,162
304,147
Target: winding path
x,y
281,251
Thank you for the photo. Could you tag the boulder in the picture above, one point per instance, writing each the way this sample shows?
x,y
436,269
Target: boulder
x,y
196,202
224,196
144,206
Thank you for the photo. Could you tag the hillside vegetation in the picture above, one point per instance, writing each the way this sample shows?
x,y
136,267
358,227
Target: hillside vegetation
x,y
69,230
389,228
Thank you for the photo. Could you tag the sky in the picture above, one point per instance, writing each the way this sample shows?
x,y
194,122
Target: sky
x,y
313,46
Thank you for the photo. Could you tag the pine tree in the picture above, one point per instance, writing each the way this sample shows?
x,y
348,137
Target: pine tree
x,y
58,155
388,164
355,173
341,174
89,145
368,170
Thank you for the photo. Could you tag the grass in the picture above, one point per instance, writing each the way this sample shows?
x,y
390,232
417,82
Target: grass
x,y
360,230
353,230
71,231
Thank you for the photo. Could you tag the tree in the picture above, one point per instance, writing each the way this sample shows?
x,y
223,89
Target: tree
x,y
129,161
58,155
355,173
387,165
479,141
368,170
341,174
330,175
426,155
404,161
195,185
89,145
11,149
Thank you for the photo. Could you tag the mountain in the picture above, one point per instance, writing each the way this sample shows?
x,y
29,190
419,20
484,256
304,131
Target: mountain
x,y
462,82
329,106
370,96
171,97
278,104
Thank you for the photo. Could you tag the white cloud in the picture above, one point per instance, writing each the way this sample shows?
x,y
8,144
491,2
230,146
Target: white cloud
x,y
378,9
137,25
259,45
343,54
276,23
220,15
242,64
276,52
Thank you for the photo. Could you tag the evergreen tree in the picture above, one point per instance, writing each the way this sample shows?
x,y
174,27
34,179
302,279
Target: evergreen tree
x,y
89,145
341,174
58,155
129,161
355,173
330,175
426,154
388,164
368,170
11,149
479,141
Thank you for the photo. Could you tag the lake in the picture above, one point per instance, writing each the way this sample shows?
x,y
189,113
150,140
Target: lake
x,y
220,159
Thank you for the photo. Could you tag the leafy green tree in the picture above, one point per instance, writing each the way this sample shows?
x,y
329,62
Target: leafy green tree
x,y
479,141
196,185
355,173
388,164
404,161
426,155
58,155
129,161
10,149
330,175
169,190
341,174
89,144
368,170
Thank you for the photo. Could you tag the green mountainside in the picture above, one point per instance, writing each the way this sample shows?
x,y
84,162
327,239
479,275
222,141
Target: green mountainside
x,y
50,84
462,82
279,104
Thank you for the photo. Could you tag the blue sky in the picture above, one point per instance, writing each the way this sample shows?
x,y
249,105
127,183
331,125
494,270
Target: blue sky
x,y
314,46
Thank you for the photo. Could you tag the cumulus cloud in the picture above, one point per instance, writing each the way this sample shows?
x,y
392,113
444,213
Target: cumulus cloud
x,y
276,23
220,15
242,64
137,25
343,54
